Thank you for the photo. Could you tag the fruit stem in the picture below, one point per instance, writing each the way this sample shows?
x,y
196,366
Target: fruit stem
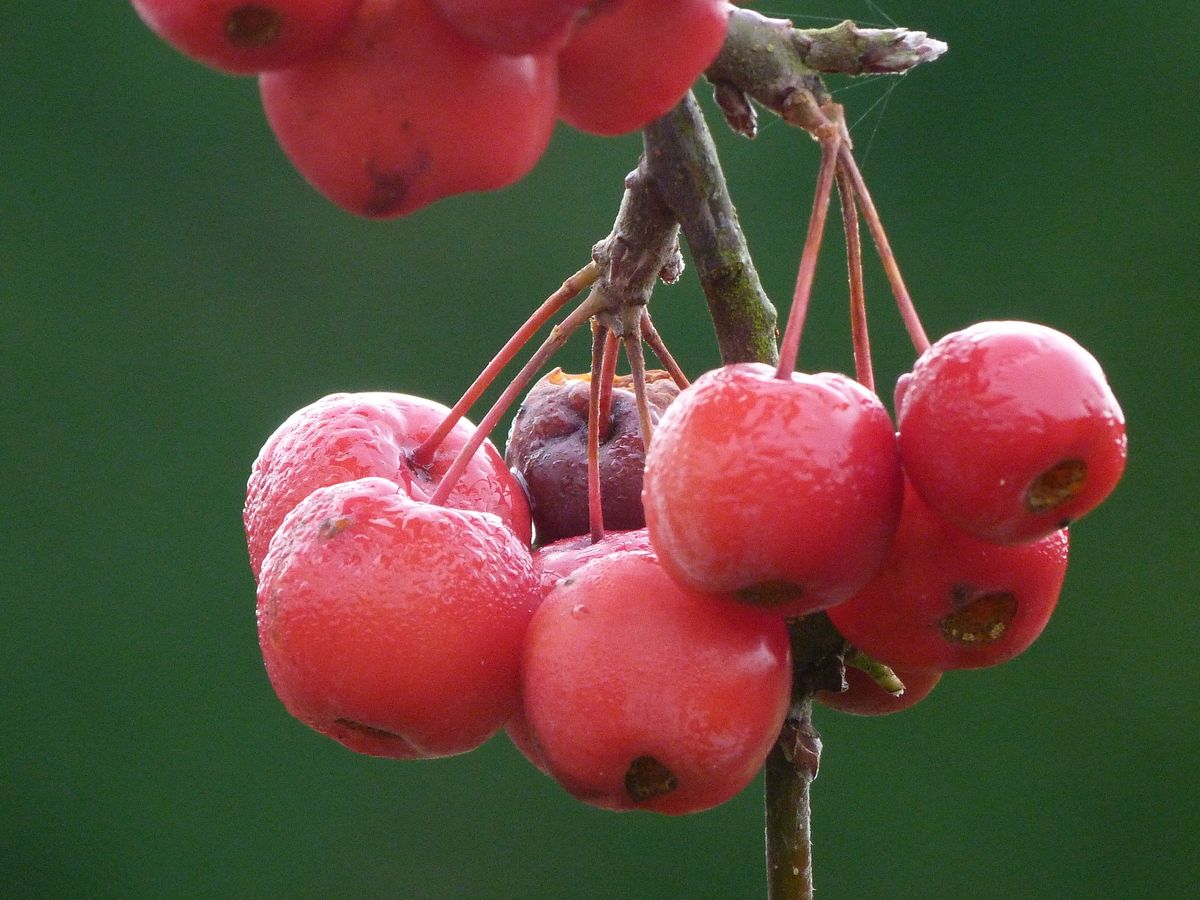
x,y
654,339
600,336
790,348
790,768
637,368
558,336
908,311
879,673
863,370
568,290
608,374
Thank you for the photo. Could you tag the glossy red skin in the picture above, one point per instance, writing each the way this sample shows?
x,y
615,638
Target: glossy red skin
x,y
620,663
630,61
201,29
343,437
547,445
754,480
551,564
405,618
897,618
990,408
405,111
513,27
863,697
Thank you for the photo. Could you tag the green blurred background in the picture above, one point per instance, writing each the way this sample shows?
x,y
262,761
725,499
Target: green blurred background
x,y
170,290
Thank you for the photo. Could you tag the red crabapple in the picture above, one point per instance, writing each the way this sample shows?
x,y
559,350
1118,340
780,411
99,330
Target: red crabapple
x,y
235,36
551,564
947,600
1010,430
547,446
785,491
395,626
630,61
405,111
514,27
863,697
343,437
643,695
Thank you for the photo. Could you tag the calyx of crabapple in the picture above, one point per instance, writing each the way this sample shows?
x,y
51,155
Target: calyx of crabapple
x,y
392,625
547,447
785,491
343,437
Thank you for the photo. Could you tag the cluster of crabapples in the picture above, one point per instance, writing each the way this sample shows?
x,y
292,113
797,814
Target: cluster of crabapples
x,y
388,105
403,612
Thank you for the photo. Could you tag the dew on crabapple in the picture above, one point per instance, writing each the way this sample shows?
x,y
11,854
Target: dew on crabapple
x,y
342,437
392,625
239,37
639,694
1010,430
785,491
547,446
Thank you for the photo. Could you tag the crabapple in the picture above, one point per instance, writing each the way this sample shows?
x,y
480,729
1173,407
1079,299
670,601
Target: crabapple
x,y
240,37
551,564
944,599
630,61
514,27
786,491
640,694
405,111
343,437
547,447
864,697
392,625
1010,431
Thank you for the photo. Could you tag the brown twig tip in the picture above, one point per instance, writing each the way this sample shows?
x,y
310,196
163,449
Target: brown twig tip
x,y
847,49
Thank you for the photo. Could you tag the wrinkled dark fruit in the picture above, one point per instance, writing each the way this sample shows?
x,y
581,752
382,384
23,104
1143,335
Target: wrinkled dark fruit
x,y
547,447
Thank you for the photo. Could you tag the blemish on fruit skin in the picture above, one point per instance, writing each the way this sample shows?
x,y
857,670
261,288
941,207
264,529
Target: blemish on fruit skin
x,y
979,617
330,528
647,778
252,26
1057,485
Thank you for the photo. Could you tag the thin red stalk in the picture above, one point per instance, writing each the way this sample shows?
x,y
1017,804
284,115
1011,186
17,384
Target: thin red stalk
x,y
863,370
908,312
608,374
558,337
595,498
637,368
654,339
789,350
569,289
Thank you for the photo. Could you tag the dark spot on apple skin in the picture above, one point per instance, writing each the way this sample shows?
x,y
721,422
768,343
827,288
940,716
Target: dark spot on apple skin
x,y
647,778
252,26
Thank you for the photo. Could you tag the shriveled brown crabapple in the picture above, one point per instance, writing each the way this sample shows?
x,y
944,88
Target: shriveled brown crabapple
x,y
547,446
343,437
944,599
785,491
643,695
405,111
1010,430
392,625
